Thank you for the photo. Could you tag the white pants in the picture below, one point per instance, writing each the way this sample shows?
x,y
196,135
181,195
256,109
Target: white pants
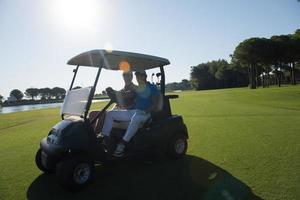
x,y
135,117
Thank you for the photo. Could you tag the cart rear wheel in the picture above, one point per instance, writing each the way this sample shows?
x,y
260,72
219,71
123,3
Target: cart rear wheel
x,y
178,146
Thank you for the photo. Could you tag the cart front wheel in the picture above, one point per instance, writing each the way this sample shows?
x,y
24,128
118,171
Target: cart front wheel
x,y
41,163
75,172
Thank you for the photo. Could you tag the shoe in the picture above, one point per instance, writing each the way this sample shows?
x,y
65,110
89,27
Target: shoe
x,y
120,150
99,136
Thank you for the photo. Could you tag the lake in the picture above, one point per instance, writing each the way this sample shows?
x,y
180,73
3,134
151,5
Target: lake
x,y
21,108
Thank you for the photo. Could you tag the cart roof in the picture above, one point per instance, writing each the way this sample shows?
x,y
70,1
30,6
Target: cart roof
x,y
118,60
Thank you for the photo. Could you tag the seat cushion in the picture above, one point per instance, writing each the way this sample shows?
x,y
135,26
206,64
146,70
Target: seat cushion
x,y
124,124
121,124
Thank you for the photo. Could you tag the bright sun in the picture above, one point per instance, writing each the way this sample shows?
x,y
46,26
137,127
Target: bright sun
x,y
77,14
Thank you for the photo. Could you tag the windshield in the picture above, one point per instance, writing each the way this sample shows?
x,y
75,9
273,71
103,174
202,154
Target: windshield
x,y
76,101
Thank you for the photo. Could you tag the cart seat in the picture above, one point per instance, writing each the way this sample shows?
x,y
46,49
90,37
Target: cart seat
x,y
155,116
157,110
124,124
98,124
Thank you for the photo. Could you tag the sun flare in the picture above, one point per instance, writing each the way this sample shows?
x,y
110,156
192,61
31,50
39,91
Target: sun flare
x,y
77,14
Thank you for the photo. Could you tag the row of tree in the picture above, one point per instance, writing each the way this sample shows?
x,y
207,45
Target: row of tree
x,y
279,54
255,61
42,93
218,74
183,85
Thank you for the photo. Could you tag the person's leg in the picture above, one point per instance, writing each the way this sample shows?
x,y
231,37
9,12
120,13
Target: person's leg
x,y
120,115
138,118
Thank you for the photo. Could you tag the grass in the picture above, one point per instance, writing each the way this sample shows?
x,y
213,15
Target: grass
x,y
240,139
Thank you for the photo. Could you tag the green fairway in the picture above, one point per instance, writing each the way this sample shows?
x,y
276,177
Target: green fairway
x,y
239,139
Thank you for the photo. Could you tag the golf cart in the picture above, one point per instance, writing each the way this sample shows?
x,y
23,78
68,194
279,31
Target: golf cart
x,y
73,147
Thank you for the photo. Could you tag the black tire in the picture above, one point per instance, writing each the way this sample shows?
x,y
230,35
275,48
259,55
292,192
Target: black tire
x,y
40,165
178,146
75,172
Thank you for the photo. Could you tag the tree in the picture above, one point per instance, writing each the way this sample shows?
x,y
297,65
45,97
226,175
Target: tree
x,y
58,92
42,93
185,84
218,74
241,54
251,53
32,92
240,77
282,47
45,93
1,98
17,94
295,54
277,55
224,76
201,77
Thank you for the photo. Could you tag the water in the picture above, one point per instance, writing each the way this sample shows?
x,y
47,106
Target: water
x,y
12,109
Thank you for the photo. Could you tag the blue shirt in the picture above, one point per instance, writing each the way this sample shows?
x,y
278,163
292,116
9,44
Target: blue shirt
x,y
144,93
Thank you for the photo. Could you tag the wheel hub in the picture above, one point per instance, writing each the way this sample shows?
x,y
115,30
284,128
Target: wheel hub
x,y
82,173
179,146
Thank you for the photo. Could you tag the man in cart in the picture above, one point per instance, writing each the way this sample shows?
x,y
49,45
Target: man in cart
x,y
147,98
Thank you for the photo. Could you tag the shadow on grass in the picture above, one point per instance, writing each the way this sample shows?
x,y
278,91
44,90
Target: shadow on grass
x,y
188,178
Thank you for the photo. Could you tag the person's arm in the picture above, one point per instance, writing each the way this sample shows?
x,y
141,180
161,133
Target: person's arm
x,y
129,91
128,94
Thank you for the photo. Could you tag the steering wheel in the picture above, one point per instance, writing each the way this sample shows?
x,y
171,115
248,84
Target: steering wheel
x,y
101,112
111,94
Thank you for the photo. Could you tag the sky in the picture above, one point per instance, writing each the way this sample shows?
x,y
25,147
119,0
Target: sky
x,y
38,37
